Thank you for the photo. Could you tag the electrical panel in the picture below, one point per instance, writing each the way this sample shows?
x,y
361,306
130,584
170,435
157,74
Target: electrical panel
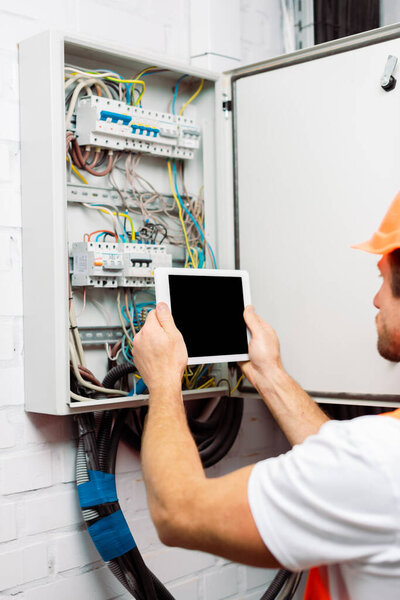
x,y
130,169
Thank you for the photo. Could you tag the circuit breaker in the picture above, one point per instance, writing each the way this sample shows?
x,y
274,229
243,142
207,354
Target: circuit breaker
x,y
113,265
112,124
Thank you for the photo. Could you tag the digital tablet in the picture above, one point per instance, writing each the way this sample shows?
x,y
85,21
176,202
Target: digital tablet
x,y
207,306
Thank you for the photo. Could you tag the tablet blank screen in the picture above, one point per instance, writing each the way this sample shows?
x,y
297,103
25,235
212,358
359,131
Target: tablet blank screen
x,y
208,311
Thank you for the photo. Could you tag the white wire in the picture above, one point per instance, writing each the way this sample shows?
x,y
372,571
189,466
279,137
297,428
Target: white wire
x,y
87,384
74,97
107,210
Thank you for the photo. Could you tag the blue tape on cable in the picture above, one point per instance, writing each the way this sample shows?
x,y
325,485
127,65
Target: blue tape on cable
x,y
112,536
100,489
140,388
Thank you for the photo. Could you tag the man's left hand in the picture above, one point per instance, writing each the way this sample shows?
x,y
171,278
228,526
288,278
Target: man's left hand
x,y
159,351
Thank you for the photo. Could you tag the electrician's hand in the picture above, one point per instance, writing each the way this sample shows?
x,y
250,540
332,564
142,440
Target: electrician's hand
x,y
264,350
159,352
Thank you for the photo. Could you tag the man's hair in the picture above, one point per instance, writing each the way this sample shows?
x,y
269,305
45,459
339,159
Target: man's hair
x,y
394,261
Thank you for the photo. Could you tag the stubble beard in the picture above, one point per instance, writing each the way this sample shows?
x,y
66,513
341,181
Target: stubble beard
x,y
387,346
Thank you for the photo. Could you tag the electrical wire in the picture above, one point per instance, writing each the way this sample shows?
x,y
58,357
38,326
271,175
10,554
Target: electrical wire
x,y
76,172
121,318
239,381
105,211
176,92
179,210
128,312
144,73
86,384
197,92
108,75
101,232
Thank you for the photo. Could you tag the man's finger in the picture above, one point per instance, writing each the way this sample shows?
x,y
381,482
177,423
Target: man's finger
x,y
151,316
165,318
252,319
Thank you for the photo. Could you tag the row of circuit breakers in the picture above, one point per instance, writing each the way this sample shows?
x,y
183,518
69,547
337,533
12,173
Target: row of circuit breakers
x,y
112,124
110,265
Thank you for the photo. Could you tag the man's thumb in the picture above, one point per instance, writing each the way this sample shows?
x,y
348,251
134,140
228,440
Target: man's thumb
x,y
164,317
251,318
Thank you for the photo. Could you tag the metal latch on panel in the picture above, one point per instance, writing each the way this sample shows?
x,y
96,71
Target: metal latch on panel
x,y
388,81
227,107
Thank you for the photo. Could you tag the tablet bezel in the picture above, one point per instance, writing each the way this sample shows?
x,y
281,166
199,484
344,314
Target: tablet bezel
x,y
161,279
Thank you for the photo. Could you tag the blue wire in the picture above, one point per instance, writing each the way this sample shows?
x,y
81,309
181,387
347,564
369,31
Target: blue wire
x,y
212,254
190,214
125,237
128,93
125,350
201,258
182,204
203,371
176,92
144,75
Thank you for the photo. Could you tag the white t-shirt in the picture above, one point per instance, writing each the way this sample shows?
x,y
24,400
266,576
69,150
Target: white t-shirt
x,y
335,500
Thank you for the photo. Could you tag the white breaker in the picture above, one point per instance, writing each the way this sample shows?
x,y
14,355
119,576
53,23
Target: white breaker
x,y
111,265
115,125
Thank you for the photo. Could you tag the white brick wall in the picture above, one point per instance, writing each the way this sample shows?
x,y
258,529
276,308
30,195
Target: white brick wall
x,y
45,553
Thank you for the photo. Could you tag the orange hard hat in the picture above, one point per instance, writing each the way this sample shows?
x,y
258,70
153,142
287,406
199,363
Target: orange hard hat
x,y
387,237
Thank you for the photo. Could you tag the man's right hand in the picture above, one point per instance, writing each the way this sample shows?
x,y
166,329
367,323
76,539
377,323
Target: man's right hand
x,y
264,350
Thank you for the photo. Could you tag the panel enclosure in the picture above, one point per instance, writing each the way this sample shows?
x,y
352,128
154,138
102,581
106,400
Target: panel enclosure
x,y
317,155
53,213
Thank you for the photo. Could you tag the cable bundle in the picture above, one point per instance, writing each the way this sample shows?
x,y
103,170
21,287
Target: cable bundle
x,y
95,473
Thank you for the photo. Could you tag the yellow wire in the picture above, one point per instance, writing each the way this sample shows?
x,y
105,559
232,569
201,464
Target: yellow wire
x,y
145,71
142,83
75,170
138,77
195,376
130,222
237,385
134,81
197,92
186,377
179,210
107,212
207,384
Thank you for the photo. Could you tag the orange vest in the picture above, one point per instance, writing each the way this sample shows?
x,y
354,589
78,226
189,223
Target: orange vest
x,y
317,587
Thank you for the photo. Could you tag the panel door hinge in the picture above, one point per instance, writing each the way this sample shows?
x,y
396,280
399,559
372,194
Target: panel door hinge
x,y
227,105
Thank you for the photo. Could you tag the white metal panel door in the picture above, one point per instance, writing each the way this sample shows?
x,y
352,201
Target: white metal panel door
x,y
318,155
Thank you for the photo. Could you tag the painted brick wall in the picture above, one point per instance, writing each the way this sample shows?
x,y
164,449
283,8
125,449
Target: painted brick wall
x,y
45,553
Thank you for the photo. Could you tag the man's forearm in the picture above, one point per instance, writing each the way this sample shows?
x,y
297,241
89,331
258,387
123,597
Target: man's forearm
x,y
295,412
170,460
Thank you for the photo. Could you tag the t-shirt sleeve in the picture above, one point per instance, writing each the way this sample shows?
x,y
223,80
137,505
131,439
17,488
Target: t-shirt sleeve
x,y
325,501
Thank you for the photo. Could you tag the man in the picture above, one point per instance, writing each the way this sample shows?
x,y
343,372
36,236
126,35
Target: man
x,y
333,500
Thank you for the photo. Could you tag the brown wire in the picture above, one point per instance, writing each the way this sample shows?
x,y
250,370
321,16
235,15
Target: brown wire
x,y
101,173
94,160
115,348
88,375
77,156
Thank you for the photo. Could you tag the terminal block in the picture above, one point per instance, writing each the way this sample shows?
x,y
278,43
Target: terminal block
x,y
112,124
111,265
